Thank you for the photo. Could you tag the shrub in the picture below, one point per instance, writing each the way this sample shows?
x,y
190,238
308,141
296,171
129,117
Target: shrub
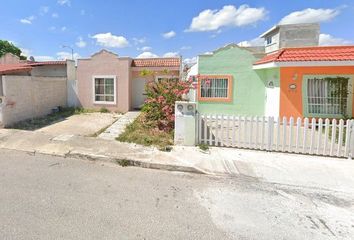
x,y
159,106
104,110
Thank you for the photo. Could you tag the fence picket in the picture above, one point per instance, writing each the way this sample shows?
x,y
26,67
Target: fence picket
x,y
291,126
270,133
306,125
239,131
340,138
250,133
347,137
216,142
298,128
222,131
284,133
327,123
228,131
233,131
278,134
319,139
333,136
210,129
245,132
200,126
257,132
262,134
313,128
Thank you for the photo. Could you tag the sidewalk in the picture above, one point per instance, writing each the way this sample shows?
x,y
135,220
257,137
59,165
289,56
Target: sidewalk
x,y
299,170
119,126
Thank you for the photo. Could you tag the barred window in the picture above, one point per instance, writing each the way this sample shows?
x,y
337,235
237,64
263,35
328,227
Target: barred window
x,y
327,95
216,88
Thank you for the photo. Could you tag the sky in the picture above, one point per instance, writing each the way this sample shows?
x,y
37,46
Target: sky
x,y
138,28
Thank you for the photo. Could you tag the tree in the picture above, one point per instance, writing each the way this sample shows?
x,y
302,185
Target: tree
x,y
8,47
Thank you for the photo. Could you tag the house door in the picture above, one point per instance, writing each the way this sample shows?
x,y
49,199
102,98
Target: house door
x,y
138,96
272,102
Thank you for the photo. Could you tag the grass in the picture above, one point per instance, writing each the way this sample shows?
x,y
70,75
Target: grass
x,y
36,123
138,133
203,147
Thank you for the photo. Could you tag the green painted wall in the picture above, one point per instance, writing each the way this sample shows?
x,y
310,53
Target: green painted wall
x,y
248,87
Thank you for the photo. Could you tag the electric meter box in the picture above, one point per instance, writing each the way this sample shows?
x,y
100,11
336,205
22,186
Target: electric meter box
x,y
185,123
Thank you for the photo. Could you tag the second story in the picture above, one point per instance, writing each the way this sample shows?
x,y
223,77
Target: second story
x,y
291,35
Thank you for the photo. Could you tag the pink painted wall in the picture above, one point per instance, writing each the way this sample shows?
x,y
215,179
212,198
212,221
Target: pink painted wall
x,y
104,63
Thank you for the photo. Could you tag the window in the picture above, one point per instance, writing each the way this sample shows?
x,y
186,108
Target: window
x,y
105,89
215,88
269,40
327,95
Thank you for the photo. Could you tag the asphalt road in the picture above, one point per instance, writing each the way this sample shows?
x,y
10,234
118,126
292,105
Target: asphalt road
x,y
45,197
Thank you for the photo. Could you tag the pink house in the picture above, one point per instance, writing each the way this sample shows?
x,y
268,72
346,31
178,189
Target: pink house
x,y
113,82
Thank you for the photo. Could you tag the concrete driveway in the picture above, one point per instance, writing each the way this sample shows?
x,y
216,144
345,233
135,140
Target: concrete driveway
x,y
85,124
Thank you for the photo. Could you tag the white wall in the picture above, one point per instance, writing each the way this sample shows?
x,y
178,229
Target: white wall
x,y
28,97
192,95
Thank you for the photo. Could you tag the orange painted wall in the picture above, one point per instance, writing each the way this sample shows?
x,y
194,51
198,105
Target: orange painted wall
x,y
291,100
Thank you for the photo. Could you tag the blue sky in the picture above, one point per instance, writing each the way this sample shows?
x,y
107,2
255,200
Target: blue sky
x,y
160,27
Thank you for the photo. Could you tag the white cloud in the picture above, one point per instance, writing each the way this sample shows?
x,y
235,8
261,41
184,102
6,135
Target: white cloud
x,y
329,40
82,12
67,55
147,55
145,49
63,29
310,15
27,20
190,61
110,40
171,54
64,2
139,40
252,43
80,43
43,10
228,16
43,58
169,34
26,52
55,15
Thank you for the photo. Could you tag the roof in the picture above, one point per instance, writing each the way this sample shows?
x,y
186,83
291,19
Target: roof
x,y
156,62
26,66
309,54
13,68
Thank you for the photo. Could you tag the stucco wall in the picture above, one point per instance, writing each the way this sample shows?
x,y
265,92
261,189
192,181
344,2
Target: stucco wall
x,y
248,88
291,101
27,97
104,63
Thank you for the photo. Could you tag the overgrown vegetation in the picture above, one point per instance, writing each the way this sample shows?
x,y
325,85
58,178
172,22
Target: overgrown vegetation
x,y
138,132
156,124
8,47
36,123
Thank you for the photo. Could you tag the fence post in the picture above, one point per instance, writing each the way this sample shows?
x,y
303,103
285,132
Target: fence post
x,y
351,140
270,133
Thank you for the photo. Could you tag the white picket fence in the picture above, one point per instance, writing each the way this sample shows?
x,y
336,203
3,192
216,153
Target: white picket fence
x,y
305,136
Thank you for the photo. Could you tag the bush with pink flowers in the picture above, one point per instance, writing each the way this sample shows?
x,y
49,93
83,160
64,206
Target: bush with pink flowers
x,y
159,106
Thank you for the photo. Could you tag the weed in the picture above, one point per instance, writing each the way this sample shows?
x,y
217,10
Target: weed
x,y
203,147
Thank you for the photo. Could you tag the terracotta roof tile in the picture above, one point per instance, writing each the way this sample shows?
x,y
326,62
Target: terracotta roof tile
x,y
25,66
12,68
331,53
156,62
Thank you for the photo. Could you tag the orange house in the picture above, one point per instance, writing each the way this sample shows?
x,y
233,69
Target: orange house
x,y
309,81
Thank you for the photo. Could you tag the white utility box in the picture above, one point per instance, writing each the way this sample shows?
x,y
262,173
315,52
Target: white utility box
x,y
185,123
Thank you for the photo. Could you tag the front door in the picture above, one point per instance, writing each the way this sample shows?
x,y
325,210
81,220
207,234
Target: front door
x,y
272,102
138,96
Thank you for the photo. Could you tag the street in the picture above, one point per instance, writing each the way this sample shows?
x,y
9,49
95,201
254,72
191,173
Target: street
x,y
47,197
